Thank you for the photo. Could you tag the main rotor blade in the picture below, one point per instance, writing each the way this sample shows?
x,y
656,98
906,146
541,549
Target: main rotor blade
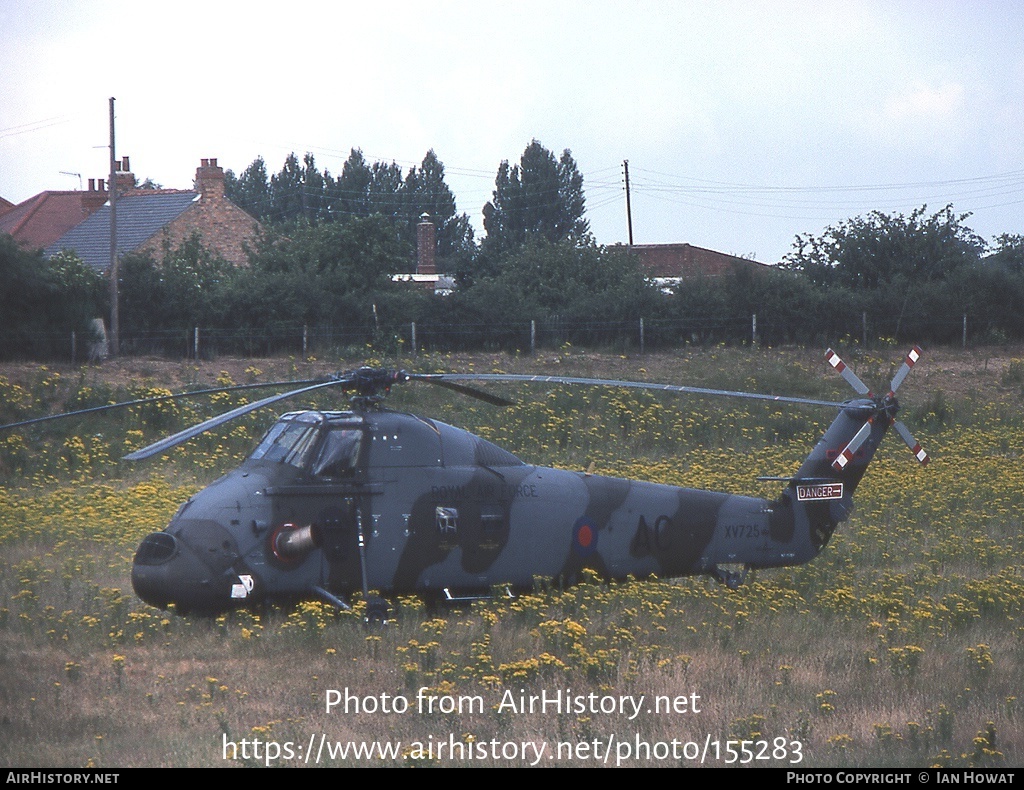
x,y
473,392
155,399
908,363
851,378
182,436
911,442
514,377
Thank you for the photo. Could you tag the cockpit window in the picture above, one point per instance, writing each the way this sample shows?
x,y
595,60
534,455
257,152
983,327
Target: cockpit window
x,y
287,442
339,454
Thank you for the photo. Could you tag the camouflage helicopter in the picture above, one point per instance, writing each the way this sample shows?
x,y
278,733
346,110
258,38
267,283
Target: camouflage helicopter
x,y
385,503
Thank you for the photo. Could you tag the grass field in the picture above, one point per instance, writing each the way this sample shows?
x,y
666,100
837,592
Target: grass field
x,y
900,645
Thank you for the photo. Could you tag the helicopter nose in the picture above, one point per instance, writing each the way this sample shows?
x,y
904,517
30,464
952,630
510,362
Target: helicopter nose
x,y
166,571
156,549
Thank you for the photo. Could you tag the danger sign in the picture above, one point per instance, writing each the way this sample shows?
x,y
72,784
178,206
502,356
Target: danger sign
x,y
819,491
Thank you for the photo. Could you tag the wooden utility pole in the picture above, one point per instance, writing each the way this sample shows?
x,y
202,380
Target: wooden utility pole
x,y
112,187
629,211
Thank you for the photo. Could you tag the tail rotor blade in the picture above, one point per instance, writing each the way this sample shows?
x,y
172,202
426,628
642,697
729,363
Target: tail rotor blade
x,y
851,377
908,363
851,449
911,442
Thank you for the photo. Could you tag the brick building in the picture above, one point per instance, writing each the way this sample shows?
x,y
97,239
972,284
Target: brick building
x,y
147,219
225,228
670,264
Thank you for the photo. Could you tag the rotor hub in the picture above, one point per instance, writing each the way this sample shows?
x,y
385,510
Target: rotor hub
x,y
889,406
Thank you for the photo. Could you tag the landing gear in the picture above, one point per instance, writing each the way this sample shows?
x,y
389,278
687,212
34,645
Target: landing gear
x,y
730,578
332,599
378,612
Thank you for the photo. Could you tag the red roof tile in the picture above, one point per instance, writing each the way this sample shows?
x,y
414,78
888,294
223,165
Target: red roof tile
x,y
41,220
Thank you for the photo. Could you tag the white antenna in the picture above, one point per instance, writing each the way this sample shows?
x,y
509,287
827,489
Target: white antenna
x,y
66,173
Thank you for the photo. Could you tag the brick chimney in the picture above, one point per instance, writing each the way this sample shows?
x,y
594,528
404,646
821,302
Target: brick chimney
x,y
210,179
426,245
94,198
125,177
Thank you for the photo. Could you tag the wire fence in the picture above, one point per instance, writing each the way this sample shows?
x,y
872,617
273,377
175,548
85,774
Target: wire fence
x,y
529,336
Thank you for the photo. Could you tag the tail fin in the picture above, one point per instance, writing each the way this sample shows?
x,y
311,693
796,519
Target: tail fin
x,y
821,493
842,455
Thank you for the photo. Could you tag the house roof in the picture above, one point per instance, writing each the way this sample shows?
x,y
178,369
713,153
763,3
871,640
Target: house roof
x,y
685,260
44,218
140,214
5,205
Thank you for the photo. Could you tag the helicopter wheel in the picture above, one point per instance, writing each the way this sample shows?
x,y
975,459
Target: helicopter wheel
x,y
378,613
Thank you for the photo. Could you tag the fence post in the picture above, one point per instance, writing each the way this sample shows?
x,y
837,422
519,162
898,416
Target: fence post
x,y
533,336
305,339
414,339
753,329
74,347
195,343
864,328
641,335
963,341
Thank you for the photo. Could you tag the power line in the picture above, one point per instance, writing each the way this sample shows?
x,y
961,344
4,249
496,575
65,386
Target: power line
x,y
35,126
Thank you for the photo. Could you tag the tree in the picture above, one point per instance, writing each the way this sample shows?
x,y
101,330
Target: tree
x,y
878,250
386,192
349,193
539,197
299,191
184,289
251,190
427,193
286,188
332,271
1008,253
364,190
903,270
43,301
578,282
314,183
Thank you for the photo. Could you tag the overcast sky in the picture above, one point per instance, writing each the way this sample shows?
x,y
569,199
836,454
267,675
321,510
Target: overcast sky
x,y
744,123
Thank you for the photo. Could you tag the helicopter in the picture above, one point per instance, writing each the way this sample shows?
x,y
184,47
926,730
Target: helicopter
x,y
382,503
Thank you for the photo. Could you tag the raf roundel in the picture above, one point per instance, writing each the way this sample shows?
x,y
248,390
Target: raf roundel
x,y
584,537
